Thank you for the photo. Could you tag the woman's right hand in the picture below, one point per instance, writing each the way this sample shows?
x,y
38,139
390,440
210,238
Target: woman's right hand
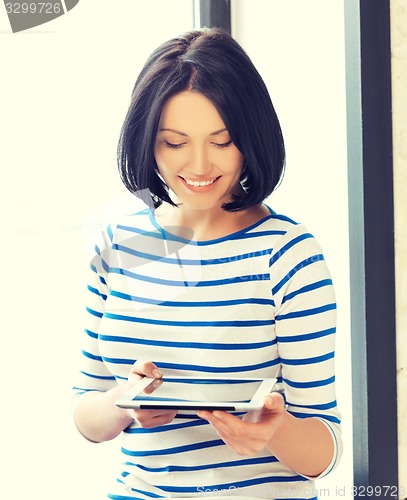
x,y
148,418
99,419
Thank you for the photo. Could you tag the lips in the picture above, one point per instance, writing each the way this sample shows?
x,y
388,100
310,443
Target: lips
x,y
191,182
199,185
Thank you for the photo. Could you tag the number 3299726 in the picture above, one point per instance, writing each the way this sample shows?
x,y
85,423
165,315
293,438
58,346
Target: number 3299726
x,y
33,8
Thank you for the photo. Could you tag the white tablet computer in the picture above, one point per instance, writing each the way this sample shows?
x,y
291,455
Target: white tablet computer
x,y
187,393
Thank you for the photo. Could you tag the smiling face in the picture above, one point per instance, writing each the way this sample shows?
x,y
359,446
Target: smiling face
x,y
194,153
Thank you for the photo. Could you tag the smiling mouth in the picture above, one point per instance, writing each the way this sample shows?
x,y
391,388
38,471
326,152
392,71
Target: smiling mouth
x,y
194,183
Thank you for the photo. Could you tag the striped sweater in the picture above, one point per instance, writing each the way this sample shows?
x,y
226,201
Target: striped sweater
x,y
256,303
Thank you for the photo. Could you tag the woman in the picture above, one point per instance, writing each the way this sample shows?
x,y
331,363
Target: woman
x,y
208,280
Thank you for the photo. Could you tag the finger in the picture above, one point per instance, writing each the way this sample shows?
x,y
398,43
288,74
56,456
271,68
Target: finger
x,y
221,429
153,386
223,422
152,418
206,415
235,428
150,414
210,416
243,439
147,368
274,402
216,414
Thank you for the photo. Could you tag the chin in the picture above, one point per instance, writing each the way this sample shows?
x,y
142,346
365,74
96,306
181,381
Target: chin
x,y
202,206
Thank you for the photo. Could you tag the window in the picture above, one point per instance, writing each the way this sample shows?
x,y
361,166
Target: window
x,y
65,88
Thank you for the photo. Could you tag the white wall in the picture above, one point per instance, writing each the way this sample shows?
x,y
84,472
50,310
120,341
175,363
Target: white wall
x,y
298,48
64,89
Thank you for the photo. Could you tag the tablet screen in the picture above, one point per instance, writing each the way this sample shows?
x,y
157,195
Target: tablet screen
x,y
195,393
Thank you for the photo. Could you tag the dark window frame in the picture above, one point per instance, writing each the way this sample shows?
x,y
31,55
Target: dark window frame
x,y
371,231
215,13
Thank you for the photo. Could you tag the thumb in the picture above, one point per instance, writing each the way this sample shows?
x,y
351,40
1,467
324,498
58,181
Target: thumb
x,y
274,402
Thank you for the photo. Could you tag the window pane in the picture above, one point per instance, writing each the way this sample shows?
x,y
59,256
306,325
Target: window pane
x,y
65,88
299,49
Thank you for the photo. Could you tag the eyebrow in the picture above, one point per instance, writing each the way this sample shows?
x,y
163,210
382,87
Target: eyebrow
x,y
217,132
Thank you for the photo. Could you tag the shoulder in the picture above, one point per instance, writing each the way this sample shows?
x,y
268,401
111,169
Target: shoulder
x,y
281,234
280,222
102,236
285,228
138,222
294,244
296,260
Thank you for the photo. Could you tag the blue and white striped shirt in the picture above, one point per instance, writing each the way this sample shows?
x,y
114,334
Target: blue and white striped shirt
x,y
256,303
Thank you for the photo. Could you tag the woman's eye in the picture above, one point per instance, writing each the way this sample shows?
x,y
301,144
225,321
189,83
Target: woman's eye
x,y
174,145
171,145
223,144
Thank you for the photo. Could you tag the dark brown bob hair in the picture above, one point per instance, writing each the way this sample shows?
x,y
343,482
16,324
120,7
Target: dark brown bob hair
x,y
211,62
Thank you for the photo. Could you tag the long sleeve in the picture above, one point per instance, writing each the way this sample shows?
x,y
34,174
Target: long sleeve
x,y
93,374
305,328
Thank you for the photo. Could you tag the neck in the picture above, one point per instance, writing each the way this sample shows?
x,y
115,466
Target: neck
x,y
207,224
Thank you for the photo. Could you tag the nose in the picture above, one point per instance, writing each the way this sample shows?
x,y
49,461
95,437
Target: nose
x,y
200,162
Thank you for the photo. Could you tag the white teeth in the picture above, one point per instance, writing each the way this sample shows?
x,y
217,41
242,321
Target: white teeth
x,y
197,183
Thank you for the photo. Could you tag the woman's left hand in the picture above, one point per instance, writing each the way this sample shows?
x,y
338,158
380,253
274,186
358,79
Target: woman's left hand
x,y
251,434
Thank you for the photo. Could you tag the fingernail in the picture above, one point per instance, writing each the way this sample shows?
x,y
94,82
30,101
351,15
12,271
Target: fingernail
x,y
157,373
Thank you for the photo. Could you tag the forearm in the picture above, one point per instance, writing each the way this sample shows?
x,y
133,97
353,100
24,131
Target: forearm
x,y
304,445
96,416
